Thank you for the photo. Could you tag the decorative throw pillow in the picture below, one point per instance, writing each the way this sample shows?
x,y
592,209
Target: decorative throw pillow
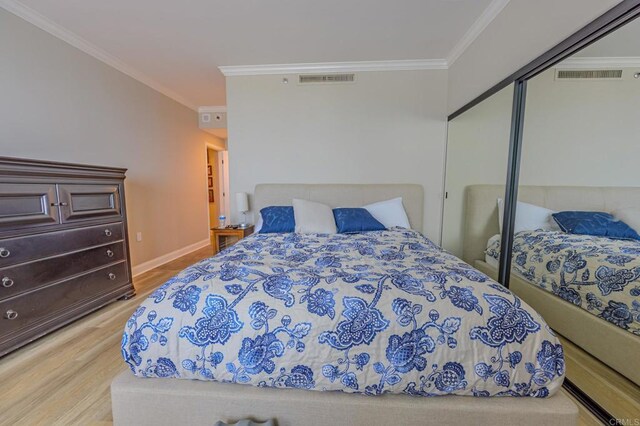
x,y
529,217
313,218
389,213
598,224
352,220
277,219
630,216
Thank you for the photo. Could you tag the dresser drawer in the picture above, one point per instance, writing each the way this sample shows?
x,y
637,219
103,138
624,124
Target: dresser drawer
x,y
24,249
28,276
83,202
30,310
25,205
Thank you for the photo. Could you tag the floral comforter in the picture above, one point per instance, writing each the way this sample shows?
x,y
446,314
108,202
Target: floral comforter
x,y
601,275
384,311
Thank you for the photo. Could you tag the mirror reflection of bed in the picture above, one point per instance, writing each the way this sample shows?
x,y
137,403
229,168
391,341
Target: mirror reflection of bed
x,y
578,283
576,248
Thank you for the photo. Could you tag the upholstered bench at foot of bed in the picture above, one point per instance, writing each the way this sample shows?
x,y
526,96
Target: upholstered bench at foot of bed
x,y
160,402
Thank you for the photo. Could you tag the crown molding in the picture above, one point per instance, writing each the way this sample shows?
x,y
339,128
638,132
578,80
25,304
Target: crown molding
x,y
584,62
45,24
212,109
483,21
329,67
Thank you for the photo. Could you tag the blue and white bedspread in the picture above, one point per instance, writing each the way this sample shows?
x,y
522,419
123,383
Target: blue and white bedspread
x,y
601,275
384,311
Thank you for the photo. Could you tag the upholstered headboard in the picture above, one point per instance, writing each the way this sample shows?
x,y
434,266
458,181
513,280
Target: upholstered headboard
x,y
343,195
481,211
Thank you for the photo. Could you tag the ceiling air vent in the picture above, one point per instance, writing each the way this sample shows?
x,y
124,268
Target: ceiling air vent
x,y
326,78
588,74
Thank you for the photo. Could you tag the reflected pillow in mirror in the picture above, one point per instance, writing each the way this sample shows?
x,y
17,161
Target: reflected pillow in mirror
x,y
598,224
529,217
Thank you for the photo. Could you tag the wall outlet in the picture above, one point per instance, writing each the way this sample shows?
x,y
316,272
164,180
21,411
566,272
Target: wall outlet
x,y
138,236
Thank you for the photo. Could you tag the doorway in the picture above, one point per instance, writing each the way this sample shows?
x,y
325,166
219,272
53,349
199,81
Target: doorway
x,y
217,184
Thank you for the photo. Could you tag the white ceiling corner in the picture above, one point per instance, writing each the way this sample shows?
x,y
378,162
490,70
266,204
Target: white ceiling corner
x,y
78,42
483,21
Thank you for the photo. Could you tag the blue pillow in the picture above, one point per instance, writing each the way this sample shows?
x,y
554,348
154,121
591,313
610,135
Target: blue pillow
x,y
598,224
350,220
277,219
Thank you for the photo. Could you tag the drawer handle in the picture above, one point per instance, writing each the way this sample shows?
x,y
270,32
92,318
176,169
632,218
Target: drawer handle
x,y
108,232
7,282
112,276
109,253
4,252
11,314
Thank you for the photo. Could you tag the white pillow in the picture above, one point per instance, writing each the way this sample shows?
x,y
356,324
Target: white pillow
x,y
390,213
630,216
258,225
529,217
313,218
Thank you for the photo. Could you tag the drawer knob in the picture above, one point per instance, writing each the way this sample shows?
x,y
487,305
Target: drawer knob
x,y
109,253
108,232
7,282
4,252
11,314
112,276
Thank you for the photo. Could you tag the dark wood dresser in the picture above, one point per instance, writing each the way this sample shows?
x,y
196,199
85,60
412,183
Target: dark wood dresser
x,y
64,249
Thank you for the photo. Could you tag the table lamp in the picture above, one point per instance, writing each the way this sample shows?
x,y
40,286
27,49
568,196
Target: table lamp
x,y
242,204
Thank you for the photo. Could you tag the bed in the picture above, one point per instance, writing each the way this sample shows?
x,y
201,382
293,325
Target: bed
x,y
376,315
600,275
591,308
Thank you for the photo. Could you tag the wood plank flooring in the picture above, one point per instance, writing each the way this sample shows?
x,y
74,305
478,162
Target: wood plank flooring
x,y
64,378
615,393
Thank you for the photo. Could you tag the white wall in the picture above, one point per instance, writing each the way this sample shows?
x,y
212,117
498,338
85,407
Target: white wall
x,y
387,127
583,133
523,30
58,103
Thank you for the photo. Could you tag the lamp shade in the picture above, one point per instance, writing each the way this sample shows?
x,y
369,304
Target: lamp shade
x,y
242,201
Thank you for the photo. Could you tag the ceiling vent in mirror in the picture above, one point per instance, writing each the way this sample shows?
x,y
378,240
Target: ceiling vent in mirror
x,y
326,78
588,74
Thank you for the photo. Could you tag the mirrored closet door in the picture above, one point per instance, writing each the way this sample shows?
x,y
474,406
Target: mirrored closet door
x,y
576,248
476,169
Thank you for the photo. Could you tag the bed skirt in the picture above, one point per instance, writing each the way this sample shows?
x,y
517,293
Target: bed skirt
x,y
160,402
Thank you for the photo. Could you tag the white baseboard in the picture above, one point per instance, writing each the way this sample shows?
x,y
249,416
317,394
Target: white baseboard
x,y
154,263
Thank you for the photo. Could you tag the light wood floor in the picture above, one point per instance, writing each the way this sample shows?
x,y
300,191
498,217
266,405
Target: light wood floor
x,y
615,393
64,378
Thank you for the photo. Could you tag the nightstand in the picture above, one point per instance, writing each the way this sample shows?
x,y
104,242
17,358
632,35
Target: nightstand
x,y
226,237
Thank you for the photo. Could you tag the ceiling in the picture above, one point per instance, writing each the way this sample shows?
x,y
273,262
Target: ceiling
x,y
622,43
177,46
